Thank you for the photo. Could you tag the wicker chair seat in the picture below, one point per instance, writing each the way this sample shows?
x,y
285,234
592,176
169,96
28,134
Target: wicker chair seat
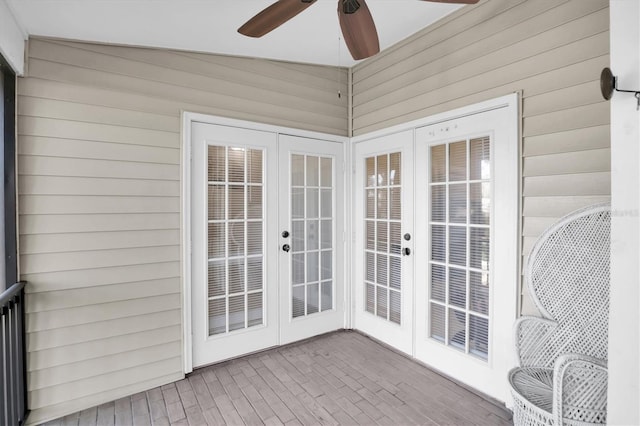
x,y
532,389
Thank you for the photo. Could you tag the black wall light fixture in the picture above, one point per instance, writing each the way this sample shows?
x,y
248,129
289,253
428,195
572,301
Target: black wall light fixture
x,y
609,83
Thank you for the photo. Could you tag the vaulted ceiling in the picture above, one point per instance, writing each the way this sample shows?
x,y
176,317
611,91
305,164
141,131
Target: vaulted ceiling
x,y
211,25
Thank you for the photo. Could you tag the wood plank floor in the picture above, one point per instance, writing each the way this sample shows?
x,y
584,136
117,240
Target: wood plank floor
x,y
342,378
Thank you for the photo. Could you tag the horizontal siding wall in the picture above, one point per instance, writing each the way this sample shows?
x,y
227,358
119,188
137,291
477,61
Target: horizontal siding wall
x,y
99,202
552,51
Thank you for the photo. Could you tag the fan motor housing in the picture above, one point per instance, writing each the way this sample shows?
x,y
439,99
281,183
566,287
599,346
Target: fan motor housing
x,y
350,6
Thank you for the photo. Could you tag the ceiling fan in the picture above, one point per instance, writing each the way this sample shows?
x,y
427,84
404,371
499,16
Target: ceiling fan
x,y
358,28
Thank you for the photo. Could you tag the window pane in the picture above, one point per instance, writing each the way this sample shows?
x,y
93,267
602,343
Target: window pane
x,y
236,241
326,265
382,237
382,302
217,316
458,203
438,166
297,203
297,170
395,206
236,276
236,164
478,336
480,203
480,152
370,235
395,306
458,287
370,166
370,298
216,239
313,204
236,312
297,236
438,203
383,202
458,245
381,270
326,237
217,278
236,202
480,248
438,283
479,297
313,170
395,272
254,306
437,322
438,236
458,161
313,268
254,166
298,302
313,234
395,238
254,202
326,172
457,329
383,170
313,298
216,163
395,168
254,273
327,296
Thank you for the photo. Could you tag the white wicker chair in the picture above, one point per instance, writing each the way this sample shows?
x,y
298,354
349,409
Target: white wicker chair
x,y
562,378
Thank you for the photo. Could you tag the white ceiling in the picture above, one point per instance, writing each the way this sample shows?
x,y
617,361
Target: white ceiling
x,y
211,25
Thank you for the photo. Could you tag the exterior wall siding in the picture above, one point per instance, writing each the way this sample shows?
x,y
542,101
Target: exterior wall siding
x,y
552,52
99,202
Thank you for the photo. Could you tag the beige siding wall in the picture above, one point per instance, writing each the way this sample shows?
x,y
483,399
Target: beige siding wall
x,y
550,50
99,202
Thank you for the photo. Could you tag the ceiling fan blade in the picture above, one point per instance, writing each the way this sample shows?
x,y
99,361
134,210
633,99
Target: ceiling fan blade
x,y
455,1
358,28
273,16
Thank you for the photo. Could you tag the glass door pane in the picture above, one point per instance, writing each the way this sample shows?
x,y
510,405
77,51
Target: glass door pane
x,y
312,224
459,207
383,240
235,235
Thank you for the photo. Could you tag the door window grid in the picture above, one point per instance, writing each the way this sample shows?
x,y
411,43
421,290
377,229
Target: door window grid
x,y
235,238
383,215
312,222
460,206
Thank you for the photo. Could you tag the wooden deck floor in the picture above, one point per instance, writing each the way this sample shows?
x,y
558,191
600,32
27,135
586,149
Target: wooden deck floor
x,y
340,378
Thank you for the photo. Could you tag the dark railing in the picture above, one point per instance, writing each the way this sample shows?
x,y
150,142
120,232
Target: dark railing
x,y
13,400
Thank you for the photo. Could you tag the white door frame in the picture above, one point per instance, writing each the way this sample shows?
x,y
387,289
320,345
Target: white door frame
x,y
185,211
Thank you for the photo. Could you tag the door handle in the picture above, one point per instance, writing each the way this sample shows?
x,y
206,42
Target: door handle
x,y
286,248
406,251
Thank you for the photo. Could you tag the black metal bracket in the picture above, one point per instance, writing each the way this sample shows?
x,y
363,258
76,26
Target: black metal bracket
x,y
609,84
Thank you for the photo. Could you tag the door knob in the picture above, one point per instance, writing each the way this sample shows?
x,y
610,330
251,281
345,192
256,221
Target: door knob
x,y
286,248
285,234
406,251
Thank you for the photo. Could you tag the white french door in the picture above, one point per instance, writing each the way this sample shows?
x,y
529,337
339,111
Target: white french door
x,y
383,220
267,240
234,292
466,260
311,237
